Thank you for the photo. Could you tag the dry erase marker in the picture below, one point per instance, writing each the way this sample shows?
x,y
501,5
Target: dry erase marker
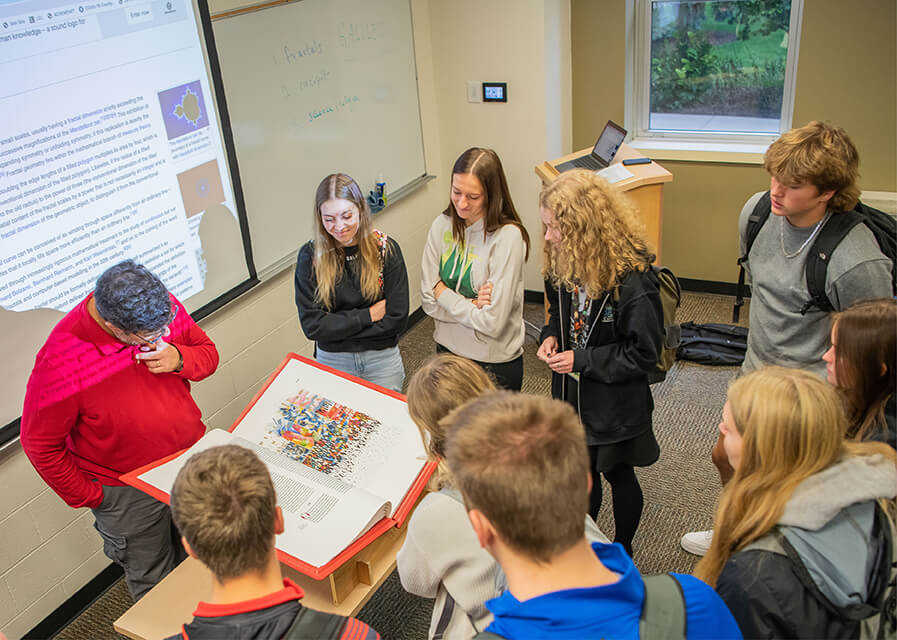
x,y
629,161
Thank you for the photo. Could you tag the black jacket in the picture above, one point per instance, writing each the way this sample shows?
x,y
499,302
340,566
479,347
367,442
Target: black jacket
x,y
348,326
615,402
840,541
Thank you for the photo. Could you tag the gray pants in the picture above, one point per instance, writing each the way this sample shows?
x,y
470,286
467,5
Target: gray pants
x,y
139,535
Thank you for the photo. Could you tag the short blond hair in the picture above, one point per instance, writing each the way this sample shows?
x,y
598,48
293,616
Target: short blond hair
x,y
522,461
223,503
602,237
443,383
821,154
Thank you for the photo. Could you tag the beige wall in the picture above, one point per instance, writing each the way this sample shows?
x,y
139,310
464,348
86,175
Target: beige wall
x,y
839,78
50,551
503,41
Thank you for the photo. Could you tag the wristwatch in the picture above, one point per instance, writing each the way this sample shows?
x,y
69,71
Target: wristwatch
x,y
180,366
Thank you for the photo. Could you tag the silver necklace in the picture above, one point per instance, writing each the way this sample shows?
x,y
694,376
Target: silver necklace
x,y
806,242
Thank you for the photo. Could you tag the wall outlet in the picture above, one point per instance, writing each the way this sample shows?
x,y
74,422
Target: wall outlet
x,y
474,91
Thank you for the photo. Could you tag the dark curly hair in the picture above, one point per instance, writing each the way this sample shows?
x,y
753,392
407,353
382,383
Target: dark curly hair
x,y
133,299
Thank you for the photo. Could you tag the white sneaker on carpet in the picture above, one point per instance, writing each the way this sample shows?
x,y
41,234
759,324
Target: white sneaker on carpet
x,y
697,542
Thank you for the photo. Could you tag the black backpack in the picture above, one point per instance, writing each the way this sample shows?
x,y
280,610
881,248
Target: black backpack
x,y
882,226
712,343
878,617
310,623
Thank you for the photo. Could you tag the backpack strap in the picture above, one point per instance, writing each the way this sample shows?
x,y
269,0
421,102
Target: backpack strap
x,y
663,612
310,623
445,617
755,221
830,236
488,635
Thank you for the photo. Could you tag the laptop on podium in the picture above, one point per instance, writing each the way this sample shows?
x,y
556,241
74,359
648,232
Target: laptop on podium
x,y
602,153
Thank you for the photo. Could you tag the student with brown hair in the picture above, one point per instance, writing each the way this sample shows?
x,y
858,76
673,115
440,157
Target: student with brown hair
x,y
800,548
352,287
862,363
224,505
604,333
813,173
472,270
521,464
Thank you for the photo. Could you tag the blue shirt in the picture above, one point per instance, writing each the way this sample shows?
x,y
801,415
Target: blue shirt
x,y
608,611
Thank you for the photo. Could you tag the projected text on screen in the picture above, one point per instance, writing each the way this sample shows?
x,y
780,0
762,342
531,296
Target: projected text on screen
x,y
109,147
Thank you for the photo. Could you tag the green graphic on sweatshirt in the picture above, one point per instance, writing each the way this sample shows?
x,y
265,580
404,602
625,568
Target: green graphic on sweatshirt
x,y
455,267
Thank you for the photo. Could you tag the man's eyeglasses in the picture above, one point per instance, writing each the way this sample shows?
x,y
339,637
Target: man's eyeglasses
x,y
151,339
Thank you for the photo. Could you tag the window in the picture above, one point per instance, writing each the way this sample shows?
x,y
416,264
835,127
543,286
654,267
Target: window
x,y
714,74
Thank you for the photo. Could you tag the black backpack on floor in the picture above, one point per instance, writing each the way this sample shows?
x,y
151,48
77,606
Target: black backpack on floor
x,y
712,343
882,226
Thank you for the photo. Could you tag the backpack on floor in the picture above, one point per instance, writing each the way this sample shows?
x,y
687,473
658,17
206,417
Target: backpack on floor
x,y
663,611
877,620
882,226
712,343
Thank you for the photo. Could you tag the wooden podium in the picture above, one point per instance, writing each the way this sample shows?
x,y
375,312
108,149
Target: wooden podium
x,y
168,605
645,188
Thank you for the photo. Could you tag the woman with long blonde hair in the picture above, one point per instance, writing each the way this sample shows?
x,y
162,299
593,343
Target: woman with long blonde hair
x,y
862,363
472,270
441,557
800,542
604,334
352,287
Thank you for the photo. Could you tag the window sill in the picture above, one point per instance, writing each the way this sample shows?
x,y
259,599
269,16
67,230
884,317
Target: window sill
x,y
691,151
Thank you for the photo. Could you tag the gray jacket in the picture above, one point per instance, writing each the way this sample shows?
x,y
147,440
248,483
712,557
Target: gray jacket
x,y
830,523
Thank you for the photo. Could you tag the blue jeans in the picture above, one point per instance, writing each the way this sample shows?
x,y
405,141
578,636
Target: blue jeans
x,y
380,366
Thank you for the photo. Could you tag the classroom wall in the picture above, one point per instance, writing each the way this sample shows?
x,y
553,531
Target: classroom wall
x,y
525,44
847,73
50,551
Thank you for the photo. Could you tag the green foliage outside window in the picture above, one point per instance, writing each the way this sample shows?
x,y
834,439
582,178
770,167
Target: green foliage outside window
x,y
719,58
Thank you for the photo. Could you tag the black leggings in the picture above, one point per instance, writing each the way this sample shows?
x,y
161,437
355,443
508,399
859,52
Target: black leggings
x,y
627,497
507,375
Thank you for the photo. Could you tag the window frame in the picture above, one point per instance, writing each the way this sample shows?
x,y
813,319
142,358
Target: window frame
x,y
695,145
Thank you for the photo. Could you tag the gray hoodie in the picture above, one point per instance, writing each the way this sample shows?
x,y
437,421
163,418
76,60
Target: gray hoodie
x,y
829,522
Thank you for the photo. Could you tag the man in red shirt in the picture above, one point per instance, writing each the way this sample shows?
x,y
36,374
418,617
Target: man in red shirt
x,y
109,393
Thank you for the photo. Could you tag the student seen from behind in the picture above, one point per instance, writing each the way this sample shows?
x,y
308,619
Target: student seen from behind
x,y
224,504
802,544
521,464
441,557
862,363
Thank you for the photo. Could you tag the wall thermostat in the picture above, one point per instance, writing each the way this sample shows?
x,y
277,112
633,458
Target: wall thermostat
x,y
495,92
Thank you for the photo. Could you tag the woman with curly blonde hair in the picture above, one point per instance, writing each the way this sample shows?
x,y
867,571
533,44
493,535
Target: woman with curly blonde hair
x,y
800,544
604,332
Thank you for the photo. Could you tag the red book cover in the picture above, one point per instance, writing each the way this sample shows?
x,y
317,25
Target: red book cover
x,y
295,433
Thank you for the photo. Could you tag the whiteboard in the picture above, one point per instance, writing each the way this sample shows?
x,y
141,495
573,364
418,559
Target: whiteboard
x,y
316,87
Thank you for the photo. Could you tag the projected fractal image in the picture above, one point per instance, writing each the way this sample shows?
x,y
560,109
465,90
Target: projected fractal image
x,y
320,433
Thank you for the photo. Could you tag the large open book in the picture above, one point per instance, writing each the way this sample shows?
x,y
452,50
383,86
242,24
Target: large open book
x,y
346,460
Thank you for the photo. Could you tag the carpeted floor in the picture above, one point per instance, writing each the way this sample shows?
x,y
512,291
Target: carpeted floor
x,y
680,489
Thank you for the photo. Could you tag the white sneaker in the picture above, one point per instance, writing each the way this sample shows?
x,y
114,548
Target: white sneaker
x,y
697,542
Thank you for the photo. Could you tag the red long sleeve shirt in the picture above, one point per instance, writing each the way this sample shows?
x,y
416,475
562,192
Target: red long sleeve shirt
x,y
93,412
